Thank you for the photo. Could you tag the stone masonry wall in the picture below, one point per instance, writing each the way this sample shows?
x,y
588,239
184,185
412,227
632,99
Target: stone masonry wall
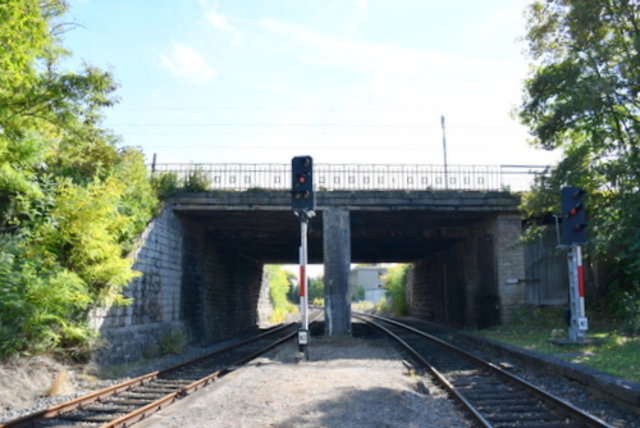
x,y
128,332
510,264
265,306
476,282
230,292
437,288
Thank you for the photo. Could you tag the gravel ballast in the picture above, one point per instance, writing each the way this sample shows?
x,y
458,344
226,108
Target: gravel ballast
x,y
347,382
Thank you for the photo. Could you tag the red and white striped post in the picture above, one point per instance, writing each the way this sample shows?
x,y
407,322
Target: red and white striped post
x,y
303,203
303,333
579,324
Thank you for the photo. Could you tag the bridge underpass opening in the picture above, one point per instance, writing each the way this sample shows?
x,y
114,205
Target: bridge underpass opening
x,y
452,279
225,254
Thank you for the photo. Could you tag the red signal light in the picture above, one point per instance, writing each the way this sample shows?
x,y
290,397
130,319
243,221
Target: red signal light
x,y
301,179
576,209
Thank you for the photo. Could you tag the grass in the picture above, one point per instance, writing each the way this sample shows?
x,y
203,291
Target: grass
x,y
383,307
611,351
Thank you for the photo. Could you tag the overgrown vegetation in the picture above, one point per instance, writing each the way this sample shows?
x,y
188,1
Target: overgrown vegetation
x,y
612,351
581,98
165,184
315,292
172,342
71,201
316,289
395,282
279,289
196,181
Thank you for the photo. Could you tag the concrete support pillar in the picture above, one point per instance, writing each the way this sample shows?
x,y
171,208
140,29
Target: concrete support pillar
x,y
337,258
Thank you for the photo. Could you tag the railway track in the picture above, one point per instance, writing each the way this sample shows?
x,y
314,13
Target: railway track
x,y
491,395
129,402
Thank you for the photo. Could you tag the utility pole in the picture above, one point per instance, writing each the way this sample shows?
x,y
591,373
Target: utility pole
x,y
153,164
444,150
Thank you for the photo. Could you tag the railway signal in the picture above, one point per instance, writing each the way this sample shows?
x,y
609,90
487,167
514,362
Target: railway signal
x,y
302,196
303,204
574,234
574,216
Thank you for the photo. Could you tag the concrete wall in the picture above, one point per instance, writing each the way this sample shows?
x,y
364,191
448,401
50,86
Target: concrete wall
x,y
337,258
126,332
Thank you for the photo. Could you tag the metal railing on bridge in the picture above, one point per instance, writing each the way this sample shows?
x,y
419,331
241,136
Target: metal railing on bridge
x,y
329,177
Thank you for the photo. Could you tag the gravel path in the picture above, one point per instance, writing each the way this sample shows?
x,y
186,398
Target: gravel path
x,y
348,382
25,383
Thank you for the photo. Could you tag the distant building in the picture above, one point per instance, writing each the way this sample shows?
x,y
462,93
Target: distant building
x,y
369,278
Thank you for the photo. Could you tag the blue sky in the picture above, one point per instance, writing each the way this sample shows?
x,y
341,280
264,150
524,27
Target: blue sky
x,y
346,81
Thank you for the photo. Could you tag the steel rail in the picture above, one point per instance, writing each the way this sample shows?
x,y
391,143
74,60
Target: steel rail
x,y
425,364
68,406
143,412
580,415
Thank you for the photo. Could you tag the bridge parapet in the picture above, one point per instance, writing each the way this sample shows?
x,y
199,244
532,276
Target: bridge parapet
x,y
337,177
280,200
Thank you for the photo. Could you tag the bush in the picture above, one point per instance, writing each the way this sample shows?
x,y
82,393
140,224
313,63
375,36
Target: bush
x,y
71,202
197,181
315,288
279,286
172,342
632,312
165,184
382,307
394,281
41,307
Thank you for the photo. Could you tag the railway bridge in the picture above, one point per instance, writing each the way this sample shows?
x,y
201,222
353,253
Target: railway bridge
x,y
202,258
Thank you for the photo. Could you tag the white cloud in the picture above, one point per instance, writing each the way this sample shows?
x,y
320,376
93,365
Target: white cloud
x,y
186,62
219,21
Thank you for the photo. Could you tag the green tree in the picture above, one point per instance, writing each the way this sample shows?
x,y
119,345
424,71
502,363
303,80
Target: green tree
x,y
71,202
582,98
395,282
279,281
316,288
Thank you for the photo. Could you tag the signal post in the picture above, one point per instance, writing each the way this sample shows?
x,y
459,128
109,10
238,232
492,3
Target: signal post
x,y
574,234
303,205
